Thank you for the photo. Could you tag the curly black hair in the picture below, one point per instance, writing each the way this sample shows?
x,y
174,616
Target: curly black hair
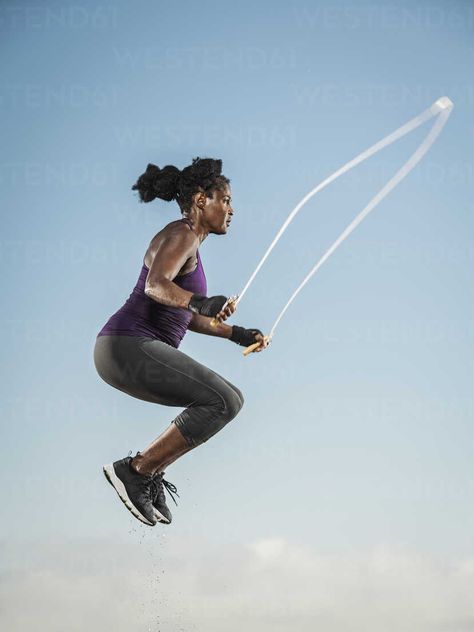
x,y
169,183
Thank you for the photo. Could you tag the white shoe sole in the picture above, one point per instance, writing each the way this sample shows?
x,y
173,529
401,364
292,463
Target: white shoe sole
x,y
119,487
160,517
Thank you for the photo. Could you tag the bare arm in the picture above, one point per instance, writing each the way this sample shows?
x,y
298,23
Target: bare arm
x,y
202,325
174,250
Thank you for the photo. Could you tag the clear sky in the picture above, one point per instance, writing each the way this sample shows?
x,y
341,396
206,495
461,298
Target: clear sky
x,y
346,480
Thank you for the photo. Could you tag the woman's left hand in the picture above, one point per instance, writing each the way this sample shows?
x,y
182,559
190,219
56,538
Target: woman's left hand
x,y
247,337
264,343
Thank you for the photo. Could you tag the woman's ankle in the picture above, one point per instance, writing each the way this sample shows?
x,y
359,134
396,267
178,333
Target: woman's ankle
x,y
140,465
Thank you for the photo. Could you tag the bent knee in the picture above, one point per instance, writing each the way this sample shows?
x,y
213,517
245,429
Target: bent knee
x,y
233,401
226,407
239,395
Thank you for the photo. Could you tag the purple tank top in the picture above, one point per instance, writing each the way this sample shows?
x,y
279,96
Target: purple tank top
x,y
142,316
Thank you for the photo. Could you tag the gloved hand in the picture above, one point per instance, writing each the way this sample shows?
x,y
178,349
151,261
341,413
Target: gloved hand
x,y
244,337
206,306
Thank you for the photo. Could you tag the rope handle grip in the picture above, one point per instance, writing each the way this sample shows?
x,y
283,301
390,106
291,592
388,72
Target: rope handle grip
x,y
255,345
251,348
231,299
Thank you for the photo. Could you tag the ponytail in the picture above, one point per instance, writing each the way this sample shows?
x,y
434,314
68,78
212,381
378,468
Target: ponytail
x,y
158,183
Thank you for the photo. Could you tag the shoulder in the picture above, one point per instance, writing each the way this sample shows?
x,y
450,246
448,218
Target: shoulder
x,y
175,237
179,231
175,231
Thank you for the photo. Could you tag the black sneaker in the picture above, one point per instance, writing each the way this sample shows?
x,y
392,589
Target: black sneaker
x,y
161,509
136,491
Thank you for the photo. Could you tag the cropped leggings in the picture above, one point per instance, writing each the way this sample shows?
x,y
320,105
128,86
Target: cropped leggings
x,y
153,371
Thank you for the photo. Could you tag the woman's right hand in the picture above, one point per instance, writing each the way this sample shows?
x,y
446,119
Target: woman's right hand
x,y
212,306
227,311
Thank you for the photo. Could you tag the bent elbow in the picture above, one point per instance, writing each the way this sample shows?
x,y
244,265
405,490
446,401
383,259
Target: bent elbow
x,y
152,291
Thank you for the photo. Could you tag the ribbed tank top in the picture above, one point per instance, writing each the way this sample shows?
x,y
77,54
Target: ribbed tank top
x,y
142,316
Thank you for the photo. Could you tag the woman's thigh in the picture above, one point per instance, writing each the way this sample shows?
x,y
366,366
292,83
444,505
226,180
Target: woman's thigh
x,y
153,371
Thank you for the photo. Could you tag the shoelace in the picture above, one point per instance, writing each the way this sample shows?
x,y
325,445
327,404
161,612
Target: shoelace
x,y
171,489
148,486
159,483
154,487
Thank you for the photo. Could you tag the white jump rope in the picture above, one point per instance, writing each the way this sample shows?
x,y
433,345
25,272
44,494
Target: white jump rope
x,y
441,109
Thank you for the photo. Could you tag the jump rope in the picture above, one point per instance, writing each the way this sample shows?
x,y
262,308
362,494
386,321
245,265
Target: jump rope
x,y
441,109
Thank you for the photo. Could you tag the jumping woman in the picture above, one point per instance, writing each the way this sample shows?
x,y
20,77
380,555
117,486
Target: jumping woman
x,y
137,349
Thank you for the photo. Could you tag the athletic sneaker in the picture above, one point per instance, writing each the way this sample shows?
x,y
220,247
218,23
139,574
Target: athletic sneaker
x,y
162,512
136,491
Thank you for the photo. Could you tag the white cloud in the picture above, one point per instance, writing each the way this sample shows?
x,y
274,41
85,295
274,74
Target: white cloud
x,y
145,584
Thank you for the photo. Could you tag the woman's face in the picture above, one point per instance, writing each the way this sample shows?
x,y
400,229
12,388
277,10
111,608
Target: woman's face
x,y
218,211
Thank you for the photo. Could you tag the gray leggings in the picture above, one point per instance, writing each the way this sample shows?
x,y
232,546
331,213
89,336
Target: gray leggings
x,y
154,371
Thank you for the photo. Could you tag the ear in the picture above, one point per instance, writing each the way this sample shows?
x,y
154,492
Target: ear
x,y
200,199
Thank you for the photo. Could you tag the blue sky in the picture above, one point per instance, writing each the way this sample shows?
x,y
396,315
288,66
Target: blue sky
x,y
356,431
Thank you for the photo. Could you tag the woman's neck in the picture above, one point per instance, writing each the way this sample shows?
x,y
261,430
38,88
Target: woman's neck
x,y
196,222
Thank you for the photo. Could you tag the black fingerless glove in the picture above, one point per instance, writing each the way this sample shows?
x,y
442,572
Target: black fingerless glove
x,y
206,306
244,337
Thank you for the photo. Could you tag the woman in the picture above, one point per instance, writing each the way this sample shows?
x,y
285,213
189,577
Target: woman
x,y
137,349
